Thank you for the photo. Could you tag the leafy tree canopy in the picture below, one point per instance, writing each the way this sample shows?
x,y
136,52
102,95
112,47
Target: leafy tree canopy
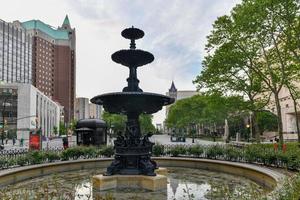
x,y
118,122
208,109
267,121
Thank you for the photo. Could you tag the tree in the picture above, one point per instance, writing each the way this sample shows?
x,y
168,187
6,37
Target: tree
x,y
146,124
62,128
117,122
226,71
267,121
211,110
72,125
185,111
256,29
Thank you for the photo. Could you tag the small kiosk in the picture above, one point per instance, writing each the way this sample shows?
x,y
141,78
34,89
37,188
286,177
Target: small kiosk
x,y
91,132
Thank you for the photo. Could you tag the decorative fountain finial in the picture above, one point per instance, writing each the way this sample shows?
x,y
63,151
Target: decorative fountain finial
x,y
132,58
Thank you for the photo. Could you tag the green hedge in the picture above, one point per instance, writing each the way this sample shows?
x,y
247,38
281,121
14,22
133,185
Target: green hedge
x,y
254,153
158,150
38,157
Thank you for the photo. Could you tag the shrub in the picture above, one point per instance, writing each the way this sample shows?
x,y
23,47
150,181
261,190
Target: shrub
x,y
233,154
196,150
72,153
89,152
36,157
252,154
22,160
10,162
3,163
52,156
293,162
107,151
270,157
215,151
177,150
158,150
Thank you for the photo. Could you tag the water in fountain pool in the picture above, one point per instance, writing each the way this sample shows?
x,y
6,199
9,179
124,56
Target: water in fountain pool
x,y
183,183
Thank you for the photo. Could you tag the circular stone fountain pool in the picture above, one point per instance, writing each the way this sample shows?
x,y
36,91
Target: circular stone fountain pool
x,y
192,184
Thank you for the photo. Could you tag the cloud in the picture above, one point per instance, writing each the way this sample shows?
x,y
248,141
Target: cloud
x,y
175,32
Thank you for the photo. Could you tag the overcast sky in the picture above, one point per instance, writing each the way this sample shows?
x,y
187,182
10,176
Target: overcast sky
x,y
175,32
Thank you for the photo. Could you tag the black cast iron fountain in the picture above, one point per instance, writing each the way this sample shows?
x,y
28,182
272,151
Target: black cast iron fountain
x,y
132,150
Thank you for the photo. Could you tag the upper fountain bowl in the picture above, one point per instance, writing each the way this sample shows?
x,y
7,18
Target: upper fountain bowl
x,y
132,33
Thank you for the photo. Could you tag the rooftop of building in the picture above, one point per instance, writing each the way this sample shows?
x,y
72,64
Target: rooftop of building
x,y
66,20
55,33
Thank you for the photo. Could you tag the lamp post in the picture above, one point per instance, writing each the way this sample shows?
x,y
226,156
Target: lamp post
x,y
248,131
251,125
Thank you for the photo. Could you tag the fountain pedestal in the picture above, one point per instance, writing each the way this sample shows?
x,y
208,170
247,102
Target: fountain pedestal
x,y
152,183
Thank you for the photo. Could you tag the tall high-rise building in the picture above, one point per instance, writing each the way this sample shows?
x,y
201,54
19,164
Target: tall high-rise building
x,y
54,62
82,109
95,111
86,110
15,54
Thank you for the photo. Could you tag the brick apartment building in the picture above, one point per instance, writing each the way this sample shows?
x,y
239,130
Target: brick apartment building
x,y
54,61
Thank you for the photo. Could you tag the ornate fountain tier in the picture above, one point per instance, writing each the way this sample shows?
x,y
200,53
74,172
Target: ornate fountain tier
x,y
132,33
132,57
138,102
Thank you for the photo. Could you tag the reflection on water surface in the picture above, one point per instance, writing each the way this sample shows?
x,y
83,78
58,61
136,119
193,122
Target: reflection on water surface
x,y
183,183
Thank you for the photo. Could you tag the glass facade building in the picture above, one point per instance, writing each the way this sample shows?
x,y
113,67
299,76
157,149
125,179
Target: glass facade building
x,y
8,105
15,54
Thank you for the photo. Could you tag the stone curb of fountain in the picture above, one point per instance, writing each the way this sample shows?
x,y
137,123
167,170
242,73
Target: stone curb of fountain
x,y
262,175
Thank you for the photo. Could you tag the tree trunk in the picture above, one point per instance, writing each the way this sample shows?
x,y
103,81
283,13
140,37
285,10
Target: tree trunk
x,y
278,108
297,117
297,123
255,127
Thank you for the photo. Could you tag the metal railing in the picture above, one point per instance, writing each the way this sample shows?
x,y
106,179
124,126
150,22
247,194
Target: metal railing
x,y
265,156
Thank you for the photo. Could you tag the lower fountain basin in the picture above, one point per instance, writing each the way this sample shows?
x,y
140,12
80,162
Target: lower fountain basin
x,y
182,183
207,179
138,102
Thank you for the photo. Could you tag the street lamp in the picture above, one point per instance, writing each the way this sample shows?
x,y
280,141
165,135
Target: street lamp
x,y
248,132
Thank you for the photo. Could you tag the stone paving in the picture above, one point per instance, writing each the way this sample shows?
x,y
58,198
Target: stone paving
x,y
158,139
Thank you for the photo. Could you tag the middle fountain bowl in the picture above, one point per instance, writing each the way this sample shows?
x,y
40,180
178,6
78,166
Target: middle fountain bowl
x,y
139,102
